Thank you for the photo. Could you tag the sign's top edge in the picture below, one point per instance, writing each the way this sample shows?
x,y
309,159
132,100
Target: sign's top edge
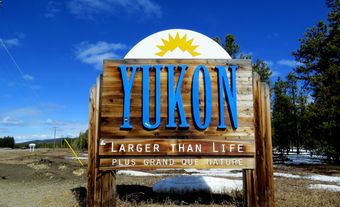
x,y
173,61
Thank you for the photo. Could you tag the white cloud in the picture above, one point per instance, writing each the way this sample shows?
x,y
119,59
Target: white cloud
x,y
89,8
269,63
25,84
8,120
149,7
53,122
28,77
289,63
31,111
13,42
25,111
51,9
95,53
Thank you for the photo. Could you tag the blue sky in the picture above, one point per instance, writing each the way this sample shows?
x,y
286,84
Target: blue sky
x,y
57,48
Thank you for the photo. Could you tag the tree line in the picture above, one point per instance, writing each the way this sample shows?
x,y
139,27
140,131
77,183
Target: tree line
x,y
306,103
79,143
7,142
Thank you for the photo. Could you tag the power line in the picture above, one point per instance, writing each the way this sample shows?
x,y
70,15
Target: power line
x,y
19,69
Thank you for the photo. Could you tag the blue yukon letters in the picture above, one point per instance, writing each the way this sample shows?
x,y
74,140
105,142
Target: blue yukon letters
x,y
146,97
195,98
226,92
229,94
175,97
127,86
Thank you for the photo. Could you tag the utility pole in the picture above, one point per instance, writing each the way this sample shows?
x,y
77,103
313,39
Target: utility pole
x,y
55,133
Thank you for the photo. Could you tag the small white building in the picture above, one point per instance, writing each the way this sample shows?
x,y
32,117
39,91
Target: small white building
x,y
31,146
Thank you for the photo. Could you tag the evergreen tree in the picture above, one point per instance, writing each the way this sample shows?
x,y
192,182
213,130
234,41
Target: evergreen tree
x,y
7,142
263,70
280,116
229,45
82,140
245,56
299,111
319,54
305,138
293,93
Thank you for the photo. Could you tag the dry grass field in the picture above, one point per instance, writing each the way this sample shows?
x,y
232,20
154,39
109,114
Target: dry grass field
x,y
49,178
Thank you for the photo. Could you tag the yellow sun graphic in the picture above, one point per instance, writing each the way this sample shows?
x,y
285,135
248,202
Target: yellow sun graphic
x,y
177,42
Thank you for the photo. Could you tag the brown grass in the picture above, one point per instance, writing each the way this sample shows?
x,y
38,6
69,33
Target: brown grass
x,y
288,193
137,191
294,192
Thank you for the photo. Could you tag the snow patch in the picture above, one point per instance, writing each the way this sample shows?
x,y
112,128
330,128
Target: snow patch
x,y
215,172
190,184
334,188
323,178
286,175
135,173
212,172
304,159
229,173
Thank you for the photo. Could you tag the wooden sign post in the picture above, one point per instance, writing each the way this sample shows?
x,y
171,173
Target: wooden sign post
x,y
179,113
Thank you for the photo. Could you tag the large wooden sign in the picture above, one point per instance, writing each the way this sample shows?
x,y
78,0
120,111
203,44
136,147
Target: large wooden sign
x,y
198,112
178,100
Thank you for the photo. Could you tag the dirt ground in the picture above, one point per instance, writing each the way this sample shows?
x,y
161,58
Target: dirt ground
x,y
48,177
40,178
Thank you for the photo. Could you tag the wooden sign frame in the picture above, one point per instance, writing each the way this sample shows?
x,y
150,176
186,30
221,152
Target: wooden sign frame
x,y
258,181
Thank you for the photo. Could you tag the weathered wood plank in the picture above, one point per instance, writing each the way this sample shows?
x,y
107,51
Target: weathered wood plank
x,y
269,185
259,141
98,174
249,188
264,167
98,188
176,162
140,147
108,189
91,150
